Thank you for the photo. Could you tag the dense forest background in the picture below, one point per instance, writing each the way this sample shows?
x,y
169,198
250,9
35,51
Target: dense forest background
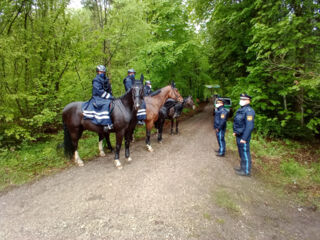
x,y
268,49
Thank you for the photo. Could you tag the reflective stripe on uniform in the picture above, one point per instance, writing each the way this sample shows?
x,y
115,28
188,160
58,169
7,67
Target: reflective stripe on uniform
x,y
96,116
221,146
95,113
104,94
246,157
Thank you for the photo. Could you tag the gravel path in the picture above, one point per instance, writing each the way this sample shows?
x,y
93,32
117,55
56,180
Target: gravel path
x,y
180,191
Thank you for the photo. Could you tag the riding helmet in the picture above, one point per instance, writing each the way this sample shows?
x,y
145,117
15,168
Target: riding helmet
x,y
101,68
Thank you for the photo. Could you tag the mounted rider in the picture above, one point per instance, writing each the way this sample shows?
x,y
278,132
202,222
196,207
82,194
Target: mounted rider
x,y
128,82
97,108
147,88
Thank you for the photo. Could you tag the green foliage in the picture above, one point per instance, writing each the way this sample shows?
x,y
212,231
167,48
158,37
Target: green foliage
x,y
269,49
58,49
291,168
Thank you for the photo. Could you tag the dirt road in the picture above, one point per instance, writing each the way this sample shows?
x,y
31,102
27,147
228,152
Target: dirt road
x,y
180,191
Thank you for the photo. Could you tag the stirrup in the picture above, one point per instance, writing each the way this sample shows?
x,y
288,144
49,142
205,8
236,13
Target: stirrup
x,y
141,122
107,128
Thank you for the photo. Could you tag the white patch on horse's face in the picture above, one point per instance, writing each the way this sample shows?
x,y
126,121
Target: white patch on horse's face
x,y
136,98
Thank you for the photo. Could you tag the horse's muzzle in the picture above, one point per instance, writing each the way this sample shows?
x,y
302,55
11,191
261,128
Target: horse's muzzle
x,y
136,106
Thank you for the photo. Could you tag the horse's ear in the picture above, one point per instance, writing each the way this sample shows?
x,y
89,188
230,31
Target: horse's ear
x,y
141,78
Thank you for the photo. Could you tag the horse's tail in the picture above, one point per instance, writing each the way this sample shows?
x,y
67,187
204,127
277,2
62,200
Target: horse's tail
x,y
67,142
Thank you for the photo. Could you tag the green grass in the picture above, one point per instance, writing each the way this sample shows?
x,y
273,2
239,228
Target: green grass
x,y
31,161
224,200
291,165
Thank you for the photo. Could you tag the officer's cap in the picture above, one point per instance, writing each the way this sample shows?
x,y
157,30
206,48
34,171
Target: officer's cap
x,y
220,100
131,70
245,96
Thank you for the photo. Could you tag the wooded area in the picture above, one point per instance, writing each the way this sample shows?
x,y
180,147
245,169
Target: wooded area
x,y
268,49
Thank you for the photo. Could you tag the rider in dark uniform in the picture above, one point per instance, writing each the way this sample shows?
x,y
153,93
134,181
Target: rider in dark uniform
x,y
147,88
97,108
220,125
128,82
242,127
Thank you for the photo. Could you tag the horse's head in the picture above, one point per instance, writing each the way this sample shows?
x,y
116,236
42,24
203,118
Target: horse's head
x,y
188,102
137,92
174,93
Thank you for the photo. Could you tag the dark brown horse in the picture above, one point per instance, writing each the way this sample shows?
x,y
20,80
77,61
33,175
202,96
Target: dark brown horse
x,y
154,103
172,110
123,117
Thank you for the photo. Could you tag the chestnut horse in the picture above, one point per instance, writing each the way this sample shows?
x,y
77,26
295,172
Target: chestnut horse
x,y
153,103
123,117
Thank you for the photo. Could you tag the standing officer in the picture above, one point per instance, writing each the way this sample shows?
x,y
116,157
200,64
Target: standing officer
x,y
220,125
128,82
242,127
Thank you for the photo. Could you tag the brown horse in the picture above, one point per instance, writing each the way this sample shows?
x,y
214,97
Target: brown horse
x,y
123,117
153,103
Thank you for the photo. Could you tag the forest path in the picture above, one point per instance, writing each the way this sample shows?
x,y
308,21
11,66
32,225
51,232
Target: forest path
x,y
179,191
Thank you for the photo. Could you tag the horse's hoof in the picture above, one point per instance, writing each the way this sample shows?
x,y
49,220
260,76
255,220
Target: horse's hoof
x,y
117,164
102,154
160,142
79,162
129,160
150,149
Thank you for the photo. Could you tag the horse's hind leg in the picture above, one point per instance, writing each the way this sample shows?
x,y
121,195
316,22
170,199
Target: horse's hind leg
x,y
75,136
148,132
107,137
101,152
119,137
127,146
171,132
177,126
161,123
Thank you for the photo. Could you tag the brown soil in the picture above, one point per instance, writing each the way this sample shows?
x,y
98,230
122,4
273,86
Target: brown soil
x,y
180,191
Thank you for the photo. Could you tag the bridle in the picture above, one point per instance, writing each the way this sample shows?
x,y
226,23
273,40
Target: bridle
x,y
175,94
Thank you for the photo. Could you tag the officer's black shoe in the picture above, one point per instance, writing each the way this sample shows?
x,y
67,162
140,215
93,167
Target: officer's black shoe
x,y
237,169
220,155
107,128
141,122
242,173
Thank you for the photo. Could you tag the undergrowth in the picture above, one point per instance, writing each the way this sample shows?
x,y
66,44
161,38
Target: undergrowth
x,y
292,165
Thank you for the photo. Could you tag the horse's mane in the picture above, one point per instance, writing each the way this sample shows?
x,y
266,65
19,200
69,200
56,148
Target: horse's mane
x,y
155,92
124,95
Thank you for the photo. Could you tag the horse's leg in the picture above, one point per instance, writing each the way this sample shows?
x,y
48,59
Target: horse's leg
x,y
119,137
127,145
177,126
161,123
107,137
171,132
101,152
75,136
148,132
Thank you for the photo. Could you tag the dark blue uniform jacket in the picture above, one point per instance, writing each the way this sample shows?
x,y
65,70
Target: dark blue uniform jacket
x,y
220,118
244,122
147,90
128,82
